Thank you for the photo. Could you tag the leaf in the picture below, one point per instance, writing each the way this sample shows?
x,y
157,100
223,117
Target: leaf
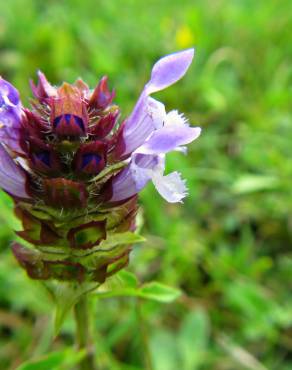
x,y
159,292
65,358
253,183
65,296
154,290
128,279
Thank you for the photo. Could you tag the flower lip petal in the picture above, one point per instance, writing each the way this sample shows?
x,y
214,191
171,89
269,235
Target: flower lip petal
x,y
169,70
140,171
9,91
12,178
10,115
171,187
134,177
169,138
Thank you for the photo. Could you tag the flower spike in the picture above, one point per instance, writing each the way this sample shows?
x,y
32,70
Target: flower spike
x,y
74,171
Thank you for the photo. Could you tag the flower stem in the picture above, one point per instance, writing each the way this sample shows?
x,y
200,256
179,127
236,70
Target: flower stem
x,y
83,337
145,338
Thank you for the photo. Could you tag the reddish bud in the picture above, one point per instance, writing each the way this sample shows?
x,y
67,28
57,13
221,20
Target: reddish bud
x,y
32,127
68,112
43,157
105,125
90,158
43,89
101,96
82,87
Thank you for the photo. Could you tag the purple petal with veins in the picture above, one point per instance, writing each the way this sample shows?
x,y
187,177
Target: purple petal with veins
x,y
12,178
169,138
131,180
149,119
10,115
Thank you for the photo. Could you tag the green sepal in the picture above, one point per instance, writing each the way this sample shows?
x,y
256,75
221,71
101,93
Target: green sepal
x,y
110,245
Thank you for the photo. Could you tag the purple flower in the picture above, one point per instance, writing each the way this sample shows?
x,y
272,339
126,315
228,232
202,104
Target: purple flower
x,y
12,178
144,139
74,171
149,133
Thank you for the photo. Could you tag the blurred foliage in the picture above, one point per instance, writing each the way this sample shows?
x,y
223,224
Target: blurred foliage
x,y
229,246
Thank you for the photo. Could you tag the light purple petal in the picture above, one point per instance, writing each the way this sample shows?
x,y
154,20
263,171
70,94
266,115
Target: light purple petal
x,y
169,138
140,171
165,72
12,179
134,177
9,91
171,187
148,119
10,115
169,70
123,185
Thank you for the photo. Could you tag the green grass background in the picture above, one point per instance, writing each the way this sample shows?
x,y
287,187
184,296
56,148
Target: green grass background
x,y
228,247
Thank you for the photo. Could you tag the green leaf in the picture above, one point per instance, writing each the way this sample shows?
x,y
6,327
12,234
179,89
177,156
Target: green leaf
x,y
128,287
52,361
159,292
128,279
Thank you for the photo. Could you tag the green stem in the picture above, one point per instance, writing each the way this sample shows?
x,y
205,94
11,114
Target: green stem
x,y
145,338
83,337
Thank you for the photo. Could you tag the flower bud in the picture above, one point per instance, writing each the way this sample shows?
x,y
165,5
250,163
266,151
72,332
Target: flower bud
x,y
90,158
105,125
101,96
68,113
43,157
